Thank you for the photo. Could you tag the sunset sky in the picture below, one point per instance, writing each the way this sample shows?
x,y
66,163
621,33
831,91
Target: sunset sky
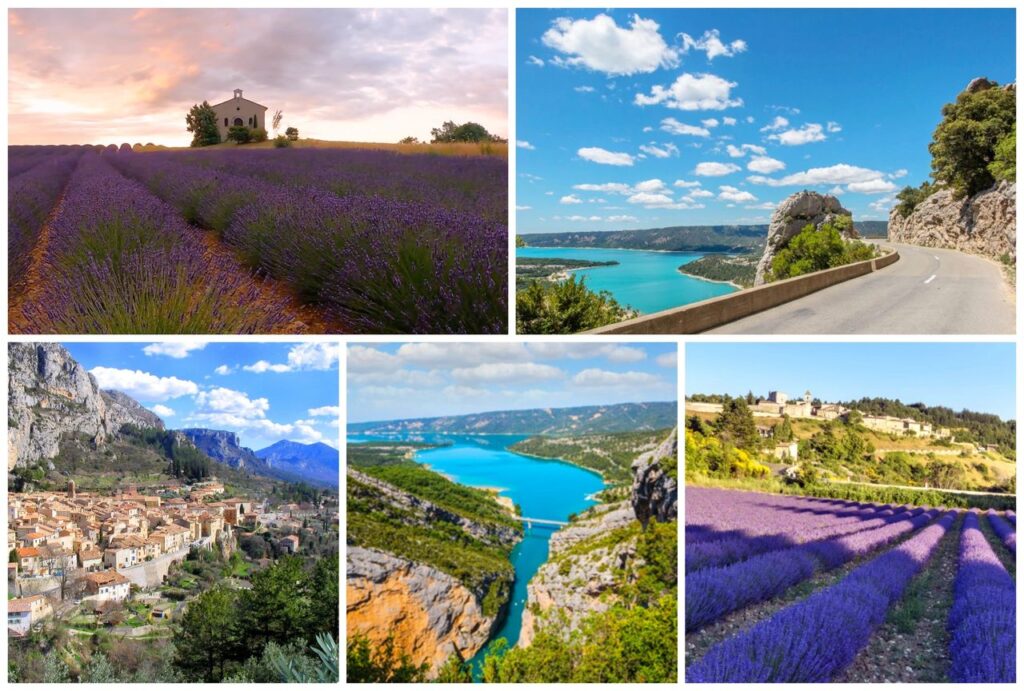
x,y
113,76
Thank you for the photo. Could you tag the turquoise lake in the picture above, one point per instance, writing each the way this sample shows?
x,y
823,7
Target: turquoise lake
x,y
646,281
543,489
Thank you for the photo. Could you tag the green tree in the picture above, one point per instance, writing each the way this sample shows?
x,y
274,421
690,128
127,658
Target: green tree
x,y
240,134
909,197
1004,165
565,307
324,589
201,121
455,670
206,637
279,606
466,132
409,140
964,143
99,670
783,432
735,425
292,133
364,664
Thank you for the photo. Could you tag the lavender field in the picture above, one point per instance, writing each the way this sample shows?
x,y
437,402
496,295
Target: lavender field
x,y
799,589
111,240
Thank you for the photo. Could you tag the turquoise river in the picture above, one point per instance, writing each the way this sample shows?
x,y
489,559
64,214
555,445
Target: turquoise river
x,y
543,489
644,280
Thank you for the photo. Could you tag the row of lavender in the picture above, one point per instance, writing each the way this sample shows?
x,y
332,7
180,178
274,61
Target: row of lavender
x,y
121,261
377,265
792,538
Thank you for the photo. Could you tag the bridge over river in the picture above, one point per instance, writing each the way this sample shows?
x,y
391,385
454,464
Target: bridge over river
x,y
541,521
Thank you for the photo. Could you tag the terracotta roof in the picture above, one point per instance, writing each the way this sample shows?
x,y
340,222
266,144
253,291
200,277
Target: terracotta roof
x,y
110,577
23,604
27,552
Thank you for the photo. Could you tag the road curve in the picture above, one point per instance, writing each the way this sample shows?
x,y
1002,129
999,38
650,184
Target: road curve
x,y
928,291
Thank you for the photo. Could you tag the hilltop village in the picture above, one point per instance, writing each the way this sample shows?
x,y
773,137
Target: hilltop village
x,y
91,552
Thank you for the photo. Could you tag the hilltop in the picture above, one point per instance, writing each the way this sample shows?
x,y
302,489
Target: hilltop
x,y
621,417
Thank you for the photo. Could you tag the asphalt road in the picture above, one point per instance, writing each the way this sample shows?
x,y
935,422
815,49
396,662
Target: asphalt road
x,y
928,291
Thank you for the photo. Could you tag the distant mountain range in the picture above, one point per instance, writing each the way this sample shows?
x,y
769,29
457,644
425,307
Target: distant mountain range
x,y
733,239
621,417
316,463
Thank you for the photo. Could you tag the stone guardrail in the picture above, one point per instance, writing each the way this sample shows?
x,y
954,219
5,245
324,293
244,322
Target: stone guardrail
x,y
708,314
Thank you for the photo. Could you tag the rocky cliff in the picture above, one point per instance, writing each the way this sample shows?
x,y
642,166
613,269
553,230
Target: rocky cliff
x,y
655,492
791,216
223,446
50,395
588,559
983,224
428,613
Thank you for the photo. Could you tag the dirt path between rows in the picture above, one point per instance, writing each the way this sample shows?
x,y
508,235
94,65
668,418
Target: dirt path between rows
x,y
31,286
303,318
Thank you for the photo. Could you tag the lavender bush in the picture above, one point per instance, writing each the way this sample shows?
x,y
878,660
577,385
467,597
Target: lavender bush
x,y
1007,533
816,638
121,261
983,618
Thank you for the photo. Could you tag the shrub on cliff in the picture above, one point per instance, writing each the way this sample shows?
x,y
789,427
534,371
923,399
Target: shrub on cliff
x,y
1004,167
816,250
909,197
964,143
565,308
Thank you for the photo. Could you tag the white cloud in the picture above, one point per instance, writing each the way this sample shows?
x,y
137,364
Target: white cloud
x,y
715,169
839,174
767,206
710,122
605,157
836,191
600,44
649,199
740,151
570,199
700,194
366,359
262,366
507,372
162,410
777,124
883,204
231,402
810,132
669,359
687,183
832,126
584,89
876,186
902,172
604,378
712,45
673,126
535,61
143,386
223,370
765,164
523,144
652,185
729,121
521,207
665,151
693,92
175,349
622,218
607,187
734,194
325,411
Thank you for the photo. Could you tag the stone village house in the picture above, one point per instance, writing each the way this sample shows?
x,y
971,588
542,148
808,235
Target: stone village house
x,y
239,111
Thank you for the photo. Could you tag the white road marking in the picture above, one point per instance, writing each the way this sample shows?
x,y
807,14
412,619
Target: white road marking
x,y
930,279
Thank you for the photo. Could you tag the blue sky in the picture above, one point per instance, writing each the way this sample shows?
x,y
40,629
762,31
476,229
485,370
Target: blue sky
x,y
620,113
264,392
398,381
976,376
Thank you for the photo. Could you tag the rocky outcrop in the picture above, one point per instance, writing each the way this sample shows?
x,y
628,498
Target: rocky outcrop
x,y
223,446
50,395
578,580
791,216
428,512
655,492
428,613
983,224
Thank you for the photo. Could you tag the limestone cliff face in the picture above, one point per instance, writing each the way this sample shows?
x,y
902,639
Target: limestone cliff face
x,y
50,395
582,571
791,216
655,492
428,613
222,446
983,224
